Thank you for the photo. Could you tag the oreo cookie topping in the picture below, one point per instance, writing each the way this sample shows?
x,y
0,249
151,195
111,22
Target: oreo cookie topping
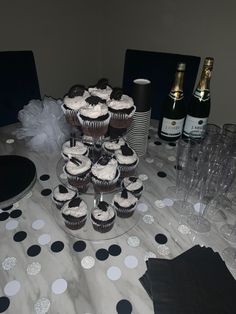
x,y
75,202
133,179
94,100
76,90
126,150
124,194
103,206
104,160
102,83
116,94
62,189
75,161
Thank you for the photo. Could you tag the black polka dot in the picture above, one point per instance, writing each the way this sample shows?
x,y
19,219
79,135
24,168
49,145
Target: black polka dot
x,y
160,238
124,307
172,144
34,250
149,137
157,143
114,250
4,304
16,213
4,216
44,177
20,236
57,246
178,167
46,192
7,208
79,246
102,254
161,174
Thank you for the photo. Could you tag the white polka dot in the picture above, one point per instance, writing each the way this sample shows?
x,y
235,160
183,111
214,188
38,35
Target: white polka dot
x,y
168,201
159,164
11,224
148,219
12,288
10,141
9,263
163,249
171,158
167,146
142,207
149,160
33,268
143,177
199,207
28,195
42,306
149,255
184,229
152,144
131,261
114,273
38,224
87,262
63,176
159,204
44,239
59,286
16,205
133,241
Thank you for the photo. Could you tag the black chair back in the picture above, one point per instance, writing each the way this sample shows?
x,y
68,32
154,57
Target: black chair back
x,y
18,83
160,69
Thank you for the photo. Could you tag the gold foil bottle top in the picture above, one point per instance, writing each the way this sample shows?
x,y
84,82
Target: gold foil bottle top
x,y
181,67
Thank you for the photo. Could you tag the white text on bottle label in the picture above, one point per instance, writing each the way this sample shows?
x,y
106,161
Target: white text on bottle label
x,y
195,125
172,128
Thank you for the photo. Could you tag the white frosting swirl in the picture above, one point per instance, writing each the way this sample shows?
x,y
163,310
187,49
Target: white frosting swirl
x,y
102,93
63,197
78,211
78,149
125,160
132,186
125,202
74,169
76,102
125,102
114,145
94,112
103,215
106,172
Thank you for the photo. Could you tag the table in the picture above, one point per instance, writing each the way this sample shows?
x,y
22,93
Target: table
x,y
44,270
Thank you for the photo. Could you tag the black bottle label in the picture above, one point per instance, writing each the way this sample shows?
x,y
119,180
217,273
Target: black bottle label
x,y
202,95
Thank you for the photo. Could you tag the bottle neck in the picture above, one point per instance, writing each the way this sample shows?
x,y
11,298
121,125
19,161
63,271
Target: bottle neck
x,y
177,87
204,82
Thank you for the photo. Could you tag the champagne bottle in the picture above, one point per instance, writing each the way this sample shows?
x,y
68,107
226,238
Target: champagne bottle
x,y
173,109
199,105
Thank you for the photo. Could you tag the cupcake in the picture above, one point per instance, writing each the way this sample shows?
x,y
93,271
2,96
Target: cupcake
x,y
105,174
121,108
103,217
94,117
61,195
72,102
94,147
111,146
73,148
133,185
77,171
124,203
127,160
74,213
101,89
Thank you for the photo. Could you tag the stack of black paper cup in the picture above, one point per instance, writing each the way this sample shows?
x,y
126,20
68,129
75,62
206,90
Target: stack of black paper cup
x,y
137,134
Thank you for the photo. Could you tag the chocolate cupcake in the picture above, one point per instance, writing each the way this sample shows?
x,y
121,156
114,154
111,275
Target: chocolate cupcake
x,y
94,117
72,102
78,172
105,174
94,147
133,185
101,89
124,203
73,148
127,160
111,146
103,217
122,109
75,213
61,195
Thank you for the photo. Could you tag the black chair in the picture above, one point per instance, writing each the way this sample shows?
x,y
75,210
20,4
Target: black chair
x,y
18,83
160,69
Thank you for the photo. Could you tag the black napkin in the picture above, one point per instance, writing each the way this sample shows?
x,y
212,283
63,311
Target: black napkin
x,y
196,281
